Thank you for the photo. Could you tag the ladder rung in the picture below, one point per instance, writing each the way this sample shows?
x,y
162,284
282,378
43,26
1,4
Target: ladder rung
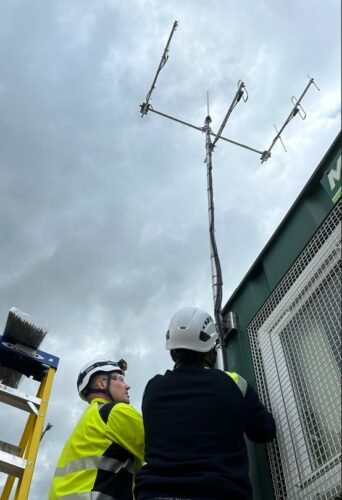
x,y
9,448
19,399
12,465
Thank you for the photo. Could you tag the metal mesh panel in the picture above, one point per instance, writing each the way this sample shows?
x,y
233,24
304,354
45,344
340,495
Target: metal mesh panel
x,y
296,349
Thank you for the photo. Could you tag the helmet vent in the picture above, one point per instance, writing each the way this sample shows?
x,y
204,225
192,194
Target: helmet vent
x,y
206,322
204,336
193,329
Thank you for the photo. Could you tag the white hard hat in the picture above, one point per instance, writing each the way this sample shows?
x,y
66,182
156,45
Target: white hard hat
x,y
97,366
191,328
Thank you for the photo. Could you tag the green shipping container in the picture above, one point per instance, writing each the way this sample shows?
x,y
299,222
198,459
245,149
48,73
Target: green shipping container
x,y
288,342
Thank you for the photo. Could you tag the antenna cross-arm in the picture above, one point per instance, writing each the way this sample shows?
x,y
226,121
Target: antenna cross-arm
x,y
202,129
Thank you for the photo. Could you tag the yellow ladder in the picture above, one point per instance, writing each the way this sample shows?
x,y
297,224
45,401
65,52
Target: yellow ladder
x,y
18,461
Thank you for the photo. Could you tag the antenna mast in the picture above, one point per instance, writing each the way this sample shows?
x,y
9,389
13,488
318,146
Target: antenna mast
x,y
241,93
216,271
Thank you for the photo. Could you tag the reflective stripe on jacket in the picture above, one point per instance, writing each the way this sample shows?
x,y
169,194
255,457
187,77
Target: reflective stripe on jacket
x,y
240,382
99,458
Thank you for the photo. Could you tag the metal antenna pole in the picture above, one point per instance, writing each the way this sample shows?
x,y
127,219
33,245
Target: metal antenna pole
x,y
241,93
216,271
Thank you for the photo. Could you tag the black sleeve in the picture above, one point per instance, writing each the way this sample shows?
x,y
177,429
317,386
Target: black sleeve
x,y
260,425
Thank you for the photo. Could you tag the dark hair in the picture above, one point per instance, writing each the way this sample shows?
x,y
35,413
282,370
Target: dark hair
x,y
88,388
187,357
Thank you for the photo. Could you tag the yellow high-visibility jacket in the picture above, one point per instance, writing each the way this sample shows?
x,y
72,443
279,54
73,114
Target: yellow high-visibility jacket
x,y
101,455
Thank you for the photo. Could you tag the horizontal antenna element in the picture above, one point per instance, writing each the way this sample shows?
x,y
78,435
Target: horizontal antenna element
x,y
202,129
145,106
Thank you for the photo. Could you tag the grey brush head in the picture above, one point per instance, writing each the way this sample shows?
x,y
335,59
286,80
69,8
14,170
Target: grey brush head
x,y
24,329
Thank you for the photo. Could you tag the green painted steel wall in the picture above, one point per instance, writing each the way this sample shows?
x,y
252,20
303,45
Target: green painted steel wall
x,y
304,218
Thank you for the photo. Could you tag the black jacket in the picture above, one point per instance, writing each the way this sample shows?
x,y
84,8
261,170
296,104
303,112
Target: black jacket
x,y
195,420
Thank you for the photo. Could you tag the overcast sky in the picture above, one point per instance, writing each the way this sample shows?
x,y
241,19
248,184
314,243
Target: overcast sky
x,y
104,221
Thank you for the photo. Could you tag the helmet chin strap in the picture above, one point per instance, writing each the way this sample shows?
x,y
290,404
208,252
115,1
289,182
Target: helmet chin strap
x,y
103,391
107,391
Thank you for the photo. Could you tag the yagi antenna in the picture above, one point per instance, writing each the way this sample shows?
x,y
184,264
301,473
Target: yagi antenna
x,y
241,94
297,109
145,105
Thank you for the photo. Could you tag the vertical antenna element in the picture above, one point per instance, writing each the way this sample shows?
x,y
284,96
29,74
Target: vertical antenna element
x,y
145,106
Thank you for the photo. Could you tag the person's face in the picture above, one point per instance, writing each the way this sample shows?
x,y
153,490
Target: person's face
x,y
118,388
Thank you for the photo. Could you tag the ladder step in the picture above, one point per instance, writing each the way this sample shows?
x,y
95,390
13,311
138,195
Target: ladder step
x,y
20,356
12,465
19,399
23,359
9,448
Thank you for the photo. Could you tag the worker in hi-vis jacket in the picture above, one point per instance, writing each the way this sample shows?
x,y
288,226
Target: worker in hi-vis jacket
x,y
195,418
106,446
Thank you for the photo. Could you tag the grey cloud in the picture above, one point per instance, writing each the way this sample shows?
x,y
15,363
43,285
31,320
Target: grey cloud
x,y
103,213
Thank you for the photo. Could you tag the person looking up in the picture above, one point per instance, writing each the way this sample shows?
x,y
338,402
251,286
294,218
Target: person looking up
x,y
195,418
106,446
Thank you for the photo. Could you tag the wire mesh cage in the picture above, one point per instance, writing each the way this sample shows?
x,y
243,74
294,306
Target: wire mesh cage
x,y
296,350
